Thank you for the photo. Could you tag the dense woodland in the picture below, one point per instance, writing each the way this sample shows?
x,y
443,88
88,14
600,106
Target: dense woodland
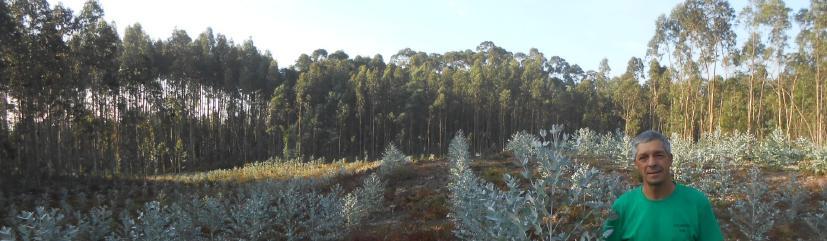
x,y
77,98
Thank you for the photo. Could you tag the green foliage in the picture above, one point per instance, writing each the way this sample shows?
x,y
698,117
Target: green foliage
x,y
267,210
364,200
153,223
817,222
75,100
97,225
249,219
713,163
208,213
609,147
816,159
708,162
189,103
393,161
43,224
482,211
586,142
559,190
735,148
778,151
793,198
6,234
755,213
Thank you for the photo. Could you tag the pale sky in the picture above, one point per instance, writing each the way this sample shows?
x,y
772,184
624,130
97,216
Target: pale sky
x,y
581,31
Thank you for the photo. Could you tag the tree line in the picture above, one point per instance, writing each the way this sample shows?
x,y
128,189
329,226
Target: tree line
x,y
78,99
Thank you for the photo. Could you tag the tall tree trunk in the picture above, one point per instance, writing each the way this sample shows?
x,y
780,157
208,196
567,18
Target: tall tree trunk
x,y
790,102
819,99
779,93
750,109
819,92
710,106
759,128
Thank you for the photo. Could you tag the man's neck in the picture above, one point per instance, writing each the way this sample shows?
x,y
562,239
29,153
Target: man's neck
x,y
658,192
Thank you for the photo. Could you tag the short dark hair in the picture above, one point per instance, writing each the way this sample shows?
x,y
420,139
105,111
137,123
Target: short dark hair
x,y
648,136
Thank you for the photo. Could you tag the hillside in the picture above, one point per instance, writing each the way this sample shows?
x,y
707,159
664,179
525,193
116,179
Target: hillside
x,y
404,198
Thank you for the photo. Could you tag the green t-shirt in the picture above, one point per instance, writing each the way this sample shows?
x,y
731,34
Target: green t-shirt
x,y
686,214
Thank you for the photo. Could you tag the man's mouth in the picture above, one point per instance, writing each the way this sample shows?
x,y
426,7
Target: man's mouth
x,y
654,172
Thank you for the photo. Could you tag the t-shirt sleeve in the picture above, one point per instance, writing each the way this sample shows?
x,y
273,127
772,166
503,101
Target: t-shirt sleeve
x,y
612,229
709,228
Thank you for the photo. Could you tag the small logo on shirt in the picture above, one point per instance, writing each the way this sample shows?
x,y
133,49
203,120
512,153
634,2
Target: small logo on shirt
x,y
683,228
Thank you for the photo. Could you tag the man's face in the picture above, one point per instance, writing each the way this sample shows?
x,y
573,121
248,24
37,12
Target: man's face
x,y
653,162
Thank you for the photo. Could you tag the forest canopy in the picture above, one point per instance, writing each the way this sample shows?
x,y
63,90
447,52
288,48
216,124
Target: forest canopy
x,y
79,99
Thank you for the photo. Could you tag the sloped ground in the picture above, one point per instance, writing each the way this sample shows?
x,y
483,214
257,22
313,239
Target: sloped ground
x,y
417,201
417,206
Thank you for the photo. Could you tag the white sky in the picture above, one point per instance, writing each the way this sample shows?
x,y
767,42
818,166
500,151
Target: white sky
x,y
581,31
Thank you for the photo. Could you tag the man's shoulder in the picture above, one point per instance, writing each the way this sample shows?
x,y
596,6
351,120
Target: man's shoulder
x,y
628,196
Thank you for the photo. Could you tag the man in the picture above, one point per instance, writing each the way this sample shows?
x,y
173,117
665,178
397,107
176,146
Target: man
x,y
660,209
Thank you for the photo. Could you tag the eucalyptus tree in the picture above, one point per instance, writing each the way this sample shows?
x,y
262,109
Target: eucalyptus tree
x,y
94,63
338,105
38,78
440,106
813,23
495,84
600,98
206,61
628,95
659,85
136,59
775,15
718,37
359,80
534,84
479,87
416,91
183,103
9,36
252,67
376,92
586,96
696,34
754,49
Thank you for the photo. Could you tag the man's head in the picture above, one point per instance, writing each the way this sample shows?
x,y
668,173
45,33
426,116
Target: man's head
x,y
652,155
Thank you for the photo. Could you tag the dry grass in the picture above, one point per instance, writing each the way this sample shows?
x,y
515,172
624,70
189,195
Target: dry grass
x,y
273,170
